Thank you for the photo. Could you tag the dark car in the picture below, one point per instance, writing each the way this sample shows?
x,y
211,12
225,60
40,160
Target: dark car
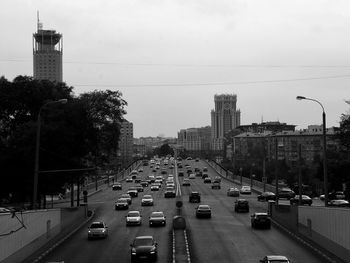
x,y
204,175
205,169
144,183
117,186
305,200
241,205
275,258
139,188
157,219
266,196
207,180
169,193
121,203
143,247
203,211
181,173
194,197
286,193
233,191
260,220
133,192
216,185
338,195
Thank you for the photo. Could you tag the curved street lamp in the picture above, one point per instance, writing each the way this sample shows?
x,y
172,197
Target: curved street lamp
x,y
37,146
325,176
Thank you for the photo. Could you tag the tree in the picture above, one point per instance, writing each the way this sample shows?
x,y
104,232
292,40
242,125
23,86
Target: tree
x,y
164,150
86,128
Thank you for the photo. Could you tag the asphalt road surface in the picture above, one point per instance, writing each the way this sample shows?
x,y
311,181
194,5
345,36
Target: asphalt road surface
x,y
226,237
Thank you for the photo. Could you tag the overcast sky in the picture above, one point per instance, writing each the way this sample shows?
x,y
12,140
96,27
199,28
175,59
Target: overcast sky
x,y
170,57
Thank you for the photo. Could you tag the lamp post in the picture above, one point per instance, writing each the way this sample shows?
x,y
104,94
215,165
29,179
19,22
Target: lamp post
x,y
37,146
325,176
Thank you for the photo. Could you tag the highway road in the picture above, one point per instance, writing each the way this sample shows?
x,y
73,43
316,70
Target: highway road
x,y
226,237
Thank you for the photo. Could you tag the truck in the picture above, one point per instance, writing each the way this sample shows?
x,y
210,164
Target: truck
x,y
195,197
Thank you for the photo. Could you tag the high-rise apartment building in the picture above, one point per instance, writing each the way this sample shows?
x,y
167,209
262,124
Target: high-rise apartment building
x,y
125,145
224,118
47,54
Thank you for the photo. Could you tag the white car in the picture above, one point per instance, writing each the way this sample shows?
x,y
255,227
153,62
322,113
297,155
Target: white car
x,y
246,190
147,200
154,187
133,218
192,176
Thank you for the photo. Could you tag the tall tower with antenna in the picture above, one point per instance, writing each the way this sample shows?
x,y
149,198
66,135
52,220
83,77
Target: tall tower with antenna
x,y
47,54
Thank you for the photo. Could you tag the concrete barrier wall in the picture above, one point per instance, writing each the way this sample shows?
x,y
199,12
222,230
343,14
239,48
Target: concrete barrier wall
x,y
333,223
36,224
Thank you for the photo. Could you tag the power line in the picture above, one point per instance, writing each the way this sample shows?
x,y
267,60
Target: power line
x,y
183,65
211,83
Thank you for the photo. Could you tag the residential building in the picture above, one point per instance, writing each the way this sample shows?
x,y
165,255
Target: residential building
x,y
125,144
284,145
273,126
47,54
224,118
194,139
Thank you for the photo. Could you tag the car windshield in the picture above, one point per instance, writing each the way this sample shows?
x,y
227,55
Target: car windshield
x,y
261,216
147,197
204,207
143,242
97,225
133,214
158,214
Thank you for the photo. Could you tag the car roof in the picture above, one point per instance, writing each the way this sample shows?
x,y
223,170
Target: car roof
x,y
260,213
203,206
276,257
157,213
134,211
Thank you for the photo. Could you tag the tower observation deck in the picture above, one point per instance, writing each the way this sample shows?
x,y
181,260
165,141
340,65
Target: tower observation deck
x,y
47,54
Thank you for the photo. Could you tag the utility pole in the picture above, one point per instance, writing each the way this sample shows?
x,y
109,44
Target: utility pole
x,y
276,169
300,177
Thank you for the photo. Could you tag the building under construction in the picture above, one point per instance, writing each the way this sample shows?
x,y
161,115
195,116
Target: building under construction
x,y
47,54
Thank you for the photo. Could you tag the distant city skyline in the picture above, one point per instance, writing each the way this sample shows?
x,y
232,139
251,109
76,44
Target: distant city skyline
x,y
169,58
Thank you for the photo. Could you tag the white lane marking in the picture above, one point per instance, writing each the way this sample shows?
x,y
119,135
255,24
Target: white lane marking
x,y
178,188
174,247
187,247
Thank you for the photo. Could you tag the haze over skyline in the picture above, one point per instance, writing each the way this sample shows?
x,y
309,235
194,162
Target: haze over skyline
x,y
170,57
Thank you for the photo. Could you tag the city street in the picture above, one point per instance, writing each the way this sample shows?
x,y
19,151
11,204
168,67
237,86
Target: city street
x,y
226,237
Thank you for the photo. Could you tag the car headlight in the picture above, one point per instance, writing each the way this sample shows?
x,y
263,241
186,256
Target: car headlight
x,y
89,231
103,230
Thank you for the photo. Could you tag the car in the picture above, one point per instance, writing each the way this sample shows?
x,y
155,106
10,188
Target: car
x,y
203,211
133,191
194,197
117,186
204,175
205,169
139,187
266,196
133,174
189,158
170,184
216,185
144,183
169,193
338,195
197,160
4,210
157,218
192,176
274,258
97,229
143,247
180,173
121,203
137,179
129,180
241,205
338,203
245,190
127,197
305,200
147,200
164,172
286,193
154,187
207,180
186,182
140,170
196,169
189,171
260,220
233,191
158,181
133,218
217,179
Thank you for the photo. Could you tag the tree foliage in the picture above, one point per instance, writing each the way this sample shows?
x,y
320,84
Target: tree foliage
x,y
74,135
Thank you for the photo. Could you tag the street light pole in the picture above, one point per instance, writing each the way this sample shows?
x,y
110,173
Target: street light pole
x,y
37,147
325,176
